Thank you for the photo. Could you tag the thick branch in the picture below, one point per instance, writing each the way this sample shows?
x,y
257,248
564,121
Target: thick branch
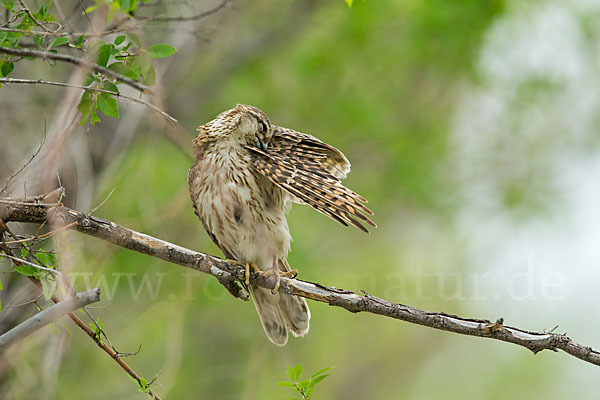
x,y
47,316
45,55
11,210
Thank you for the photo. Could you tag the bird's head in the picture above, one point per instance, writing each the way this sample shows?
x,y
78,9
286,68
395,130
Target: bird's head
x,y
239,127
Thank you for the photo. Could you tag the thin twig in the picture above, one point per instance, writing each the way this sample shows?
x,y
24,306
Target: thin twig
x,y
196,17
34,265
102,203
44,236
10,178
122,96
47,316
45,55
34,19
130,239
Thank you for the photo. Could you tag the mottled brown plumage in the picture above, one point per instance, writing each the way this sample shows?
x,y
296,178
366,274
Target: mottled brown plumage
x,y
245,175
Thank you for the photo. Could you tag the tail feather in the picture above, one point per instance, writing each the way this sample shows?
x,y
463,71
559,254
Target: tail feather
x,y
296,314
281,312
270,314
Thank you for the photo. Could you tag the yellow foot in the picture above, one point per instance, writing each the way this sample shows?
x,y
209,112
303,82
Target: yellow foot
x,y
278,274
247,267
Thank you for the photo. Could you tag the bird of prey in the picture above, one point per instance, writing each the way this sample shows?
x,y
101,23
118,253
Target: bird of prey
x,y
246,174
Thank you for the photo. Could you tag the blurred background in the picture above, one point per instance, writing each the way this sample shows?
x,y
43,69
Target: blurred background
x,y
472,128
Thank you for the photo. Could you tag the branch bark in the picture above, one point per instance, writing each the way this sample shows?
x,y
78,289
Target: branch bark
x,y
25,211
47,316
45,55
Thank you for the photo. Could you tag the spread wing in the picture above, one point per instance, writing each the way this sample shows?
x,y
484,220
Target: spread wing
x,y
310,171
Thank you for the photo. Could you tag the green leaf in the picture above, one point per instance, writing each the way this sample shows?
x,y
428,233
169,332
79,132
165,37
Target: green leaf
x,y
143,385
318,379
349,2
104,54
59,41
52,259
294,372
108,105
161,50
43,257
150,76
94,118
134,68
110,86
38,40
85,106
321,372
303,384
309,391
8,4
79,41
91,78
144,64
7,68
26,270
3,35
92,8
285,383
119,39
24,252
134,38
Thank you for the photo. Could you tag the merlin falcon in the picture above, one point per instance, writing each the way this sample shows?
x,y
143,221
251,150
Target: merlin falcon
x,y
246,175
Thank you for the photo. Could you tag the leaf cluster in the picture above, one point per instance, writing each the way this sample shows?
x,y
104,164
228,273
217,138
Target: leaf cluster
x,y
121,52
305,387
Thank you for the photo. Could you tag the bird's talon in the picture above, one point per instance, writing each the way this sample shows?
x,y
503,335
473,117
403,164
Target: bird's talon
x,y
290,274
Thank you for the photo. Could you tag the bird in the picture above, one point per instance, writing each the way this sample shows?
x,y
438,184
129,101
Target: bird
x,y
245,176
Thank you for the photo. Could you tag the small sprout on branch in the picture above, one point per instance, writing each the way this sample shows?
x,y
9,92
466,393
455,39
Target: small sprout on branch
x,y
306,387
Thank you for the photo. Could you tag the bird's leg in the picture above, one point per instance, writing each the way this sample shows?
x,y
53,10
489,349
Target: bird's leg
x,y
278,274
247,268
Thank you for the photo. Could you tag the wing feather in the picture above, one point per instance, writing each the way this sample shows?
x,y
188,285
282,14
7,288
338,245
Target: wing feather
x,y
310,170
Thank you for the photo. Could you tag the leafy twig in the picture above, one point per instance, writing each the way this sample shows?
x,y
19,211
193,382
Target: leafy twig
x,y
116,94
46,55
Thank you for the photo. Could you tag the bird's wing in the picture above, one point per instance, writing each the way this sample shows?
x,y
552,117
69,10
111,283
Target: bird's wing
x,y
310,170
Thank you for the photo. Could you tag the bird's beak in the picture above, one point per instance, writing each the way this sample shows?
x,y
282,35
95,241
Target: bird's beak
x,y
262,145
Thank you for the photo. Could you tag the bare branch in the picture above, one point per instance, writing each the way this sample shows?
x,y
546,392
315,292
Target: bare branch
x,y
122,96
535,341
47,316
45,55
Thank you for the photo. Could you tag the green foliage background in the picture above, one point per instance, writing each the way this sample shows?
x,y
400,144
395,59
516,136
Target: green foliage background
x,y
383,81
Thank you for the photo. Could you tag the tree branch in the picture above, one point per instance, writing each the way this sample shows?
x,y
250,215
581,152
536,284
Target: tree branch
x,y
91,334
25,211
45,55
122,96
47,316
